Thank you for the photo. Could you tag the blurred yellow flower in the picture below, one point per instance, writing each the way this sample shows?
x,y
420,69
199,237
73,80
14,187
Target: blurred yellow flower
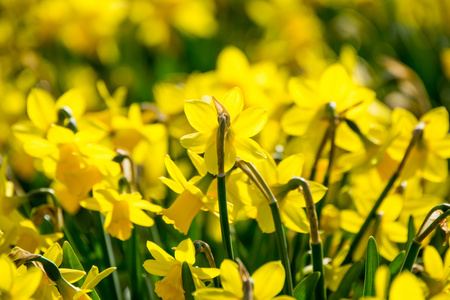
x,y
171,286
121,211
202,115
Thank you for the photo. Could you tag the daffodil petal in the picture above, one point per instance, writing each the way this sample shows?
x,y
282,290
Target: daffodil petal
x,y
214,294
268,280
201,115
296,120
60,135
185,252
39,148
196,142
435,168
74,99
442,147
70,275
54,253
205,273
25,285
182,211
250,122
334,84
247,149
396,232
157,267
96,204
174,171
382,279
351,221
436,123
8,273
433,263
406,286
41,108
139,217
174,186
233,100
198,162
294,217
158,253
304,93
90,284
211,157
230,278
289,167
264,218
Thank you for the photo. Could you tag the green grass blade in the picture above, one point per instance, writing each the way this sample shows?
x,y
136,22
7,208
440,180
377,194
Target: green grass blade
x,y
305,289
348,281
188,281
372,262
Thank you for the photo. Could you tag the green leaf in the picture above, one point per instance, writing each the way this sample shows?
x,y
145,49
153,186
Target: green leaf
x,y
371,267
349,279
305,289
188,281
411,231
395,265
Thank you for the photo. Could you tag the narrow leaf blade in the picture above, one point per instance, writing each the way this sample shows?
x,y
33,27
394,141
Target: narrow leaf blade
x,y
305,289
372,262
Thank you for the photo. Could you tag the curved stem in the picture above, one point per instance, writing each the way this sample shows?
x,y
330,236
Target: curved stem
x,y
250,170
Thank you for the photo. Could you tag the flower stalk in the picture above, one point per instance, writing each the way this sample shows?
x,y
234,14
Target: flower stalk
x,y
315,240
417,134
201,246
221,185
254,175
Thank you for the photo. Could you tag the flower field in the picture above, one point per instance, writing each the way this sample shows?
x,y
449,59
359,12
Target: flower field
x,y
212,149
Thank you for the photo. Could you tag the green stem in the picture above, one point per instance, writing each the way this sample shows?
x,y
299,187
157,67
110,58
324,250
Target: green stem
x,y
253,174
317,261
112,259
282,247
411,256
221,188
417,134
201,246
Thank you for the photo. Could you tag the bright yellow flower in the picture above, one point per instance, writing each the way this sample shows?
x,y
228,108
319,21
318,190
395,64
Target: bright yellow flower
x,y
17,284
428,158
171,286
76,162
202,115
188,203
268,281
121,211
309,116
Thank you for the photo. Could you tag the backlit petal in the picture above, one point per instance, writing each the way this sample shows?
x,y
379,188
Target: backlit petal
x,y
157,267
250,122
196,142
158,253
247,149
230,278
406,286
433,263
185,252
268,280
174,171
289,167
351,221
334,85
41,108
435,168
294,217
436,123
201,115
205,273
233,100
264,218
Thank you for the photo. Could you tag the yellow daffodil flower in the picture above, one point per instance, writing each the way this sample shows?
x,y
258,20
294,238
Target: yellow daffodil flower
x,y
202,115
171,286
438,271
187,204
335,88
121,211
268,281
429,158
75,161
17,284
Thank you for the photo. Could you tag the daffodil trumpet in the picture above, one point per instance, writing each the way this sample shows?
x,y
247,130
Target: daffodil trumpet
x,y
417,135
222,130
315,240
250,170
436,217
65,113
